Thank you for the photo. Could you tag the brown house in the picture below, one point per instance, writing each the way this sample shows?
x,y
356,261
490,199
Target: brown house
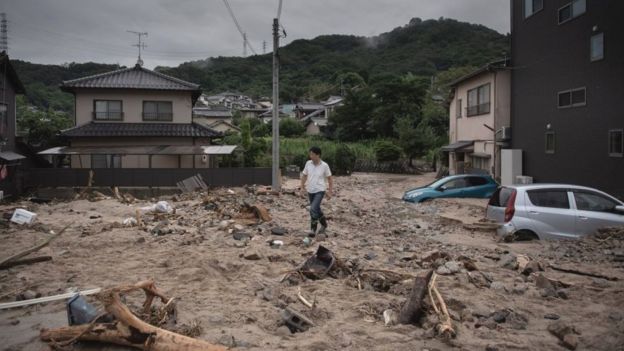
x,y
136,118
10,85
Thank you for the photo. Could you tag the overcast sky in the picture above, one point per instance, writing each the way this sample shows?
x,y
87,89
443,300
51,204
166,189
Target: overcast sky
x,y
60,31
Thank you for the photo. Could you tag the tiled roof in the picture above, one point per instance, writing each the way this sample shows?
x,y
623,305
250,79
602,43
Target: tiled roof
x,y
208,112
136,77
140,130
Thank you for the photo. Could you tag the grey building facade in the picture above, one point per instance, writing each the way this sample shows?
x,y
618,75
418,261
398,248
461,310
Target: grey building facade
x,y
567,91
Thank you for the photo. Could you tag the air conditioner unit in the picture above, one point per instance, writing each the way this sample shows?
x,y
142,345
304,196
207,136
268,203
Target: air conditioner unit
x,y
505,133
522,179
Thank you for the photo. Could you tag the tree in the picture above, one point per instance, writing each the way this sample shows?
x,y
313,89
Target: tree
x,y
290,127
41,127
386,151
352,121
414,139
344,160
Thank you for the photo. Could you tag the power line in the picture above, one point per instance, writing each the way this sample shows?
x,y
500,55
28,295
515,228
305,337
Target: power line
x,y
240,29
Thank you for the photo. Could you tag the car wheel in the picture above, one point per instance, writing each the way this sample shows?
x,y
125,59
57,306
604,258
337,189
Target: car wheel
x,y
525,235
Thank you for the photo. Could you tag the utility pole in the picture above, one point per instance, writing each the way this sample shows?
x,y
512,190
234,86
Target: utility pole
x,y
276,184
140,44
264,46
244,44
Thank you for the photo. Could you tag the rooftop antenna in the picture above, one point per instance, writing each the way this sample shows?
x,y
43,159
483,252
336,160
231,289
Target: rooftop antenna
x,y
4,41
140,44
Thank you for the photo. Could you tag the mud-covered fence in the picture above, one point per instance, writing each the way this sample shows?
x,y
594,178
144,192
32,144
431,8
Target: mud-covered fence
x,y
143,177
400,167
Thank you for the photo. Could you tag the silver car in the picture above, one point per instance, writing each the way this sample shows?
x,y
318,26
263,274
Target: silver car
x,y
553,211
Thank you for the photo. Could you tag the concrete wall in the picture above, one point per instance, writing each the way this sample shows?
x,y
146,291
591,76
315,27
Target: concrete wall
x,y
132,104
471,128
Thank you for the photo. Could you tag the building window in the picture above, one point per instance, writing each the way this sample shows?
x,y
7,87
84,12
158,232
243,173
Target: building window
x,y
478,100
107,110
571,10
616,143
596,50
532,6
157,111
458,108
105,161
4,122
480,162
550,142
571,98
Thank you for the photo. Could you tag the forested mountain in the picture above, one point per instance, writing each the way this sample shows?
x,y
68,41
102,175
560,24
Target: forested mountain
x,y
310,69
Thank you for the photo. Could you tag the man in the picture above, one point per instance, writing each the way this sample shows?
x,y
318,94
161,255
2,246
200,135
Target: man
x,y
317,182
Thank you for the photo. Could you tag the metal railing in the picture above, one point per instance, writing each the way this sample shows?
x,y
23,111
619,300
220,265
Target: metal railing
x,y
478,109
107,116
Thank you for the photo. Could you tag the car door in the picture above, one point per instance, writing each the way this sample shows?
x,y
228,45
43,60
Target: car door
x,y
550,212
477,187
454,187
595,211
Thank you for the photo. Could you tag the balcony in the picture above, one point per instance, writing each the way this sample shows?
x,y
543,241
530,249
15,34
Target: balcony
x,y
476,110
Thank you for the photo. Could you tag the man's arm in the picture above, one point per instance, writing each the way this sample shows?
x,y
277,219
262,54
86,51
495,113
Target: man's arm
x,y
304,178
330,189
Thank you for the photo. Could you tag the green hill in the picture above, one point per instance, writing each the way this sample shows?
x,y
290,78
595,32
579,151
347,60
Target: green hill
x,y
310,69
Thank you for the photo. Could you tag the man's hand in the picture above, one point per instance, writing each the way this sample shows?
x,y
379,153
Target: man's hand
x,y
302,192
329,194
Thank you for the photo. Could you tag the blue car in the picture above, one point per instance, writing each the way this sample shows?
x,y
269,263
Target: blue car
x,y
463,185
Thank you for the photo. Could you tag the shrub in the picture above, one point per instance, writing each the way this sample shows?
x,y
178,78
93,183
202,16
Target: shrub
x,y
290,127
344,159
386,151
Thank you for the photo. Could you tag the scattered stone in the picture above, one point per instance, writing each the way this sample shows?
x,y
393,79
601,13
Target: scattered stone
x,y
390,317
140,240
562,294
443,270
28,295
570,341
552,316
279,231
532,267
241,236
453,266
491,348
500,316
498,286
509,261
238,227
252,255
283,331
560,329
519,289
370,256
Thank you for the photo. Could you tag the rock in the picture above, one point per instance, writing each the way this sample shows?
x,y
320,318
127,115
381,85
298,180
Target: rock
x,y
532,267
435,255
241,236
552,316
498,286
453,266
570,341
491,348
600,283
443,270
560,329
370,256
500,316
238,227
390,317
562,294
509,261
140,240
616,316
519,289
28,295
517,321
283,331
223,225
279,231
481,311
252,255
345,340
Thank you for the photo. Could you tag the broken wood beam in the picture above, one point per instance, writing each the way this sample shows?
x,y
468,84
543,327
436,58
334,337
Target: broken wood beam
x,y
34,248
412,310
25,261
578,272
128,329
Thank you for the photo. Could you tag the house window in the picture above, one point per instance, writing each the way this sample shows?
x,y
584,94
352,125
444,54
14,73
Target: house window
x,y
458,108
571,98
550,142
532,6
157,111
616,143
571,10
107,110
596,50
480,162
478,100
105,161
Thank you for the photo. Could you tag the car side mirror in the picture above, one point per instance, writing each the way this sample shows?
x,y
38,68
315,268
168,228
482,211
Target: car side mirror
x,y
619,209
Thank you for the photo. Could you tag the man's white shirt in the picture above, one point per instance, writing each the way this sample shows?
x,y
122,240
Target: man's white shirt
x,y
317,175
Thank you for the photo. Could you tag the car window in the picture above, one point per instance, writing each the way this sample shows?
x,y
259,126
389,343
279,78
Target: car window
x,y
549,198
455,183
476,181
588,201
501,197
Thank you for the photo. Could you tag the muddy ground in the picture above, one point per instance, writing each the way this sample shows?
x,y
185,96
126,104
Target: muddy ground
x,y
237,301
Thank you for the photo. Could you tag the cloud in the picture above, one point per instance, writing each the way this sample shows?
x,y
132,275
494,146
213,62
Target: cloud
x,y
89,30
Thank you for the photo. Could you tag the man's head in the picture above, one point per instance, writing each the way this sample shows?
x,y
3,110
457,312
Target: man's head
x,y
315,153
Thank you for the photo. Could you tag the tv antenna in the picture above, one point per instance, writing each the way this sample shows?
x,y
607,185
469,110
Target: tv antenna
x,y
140,44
